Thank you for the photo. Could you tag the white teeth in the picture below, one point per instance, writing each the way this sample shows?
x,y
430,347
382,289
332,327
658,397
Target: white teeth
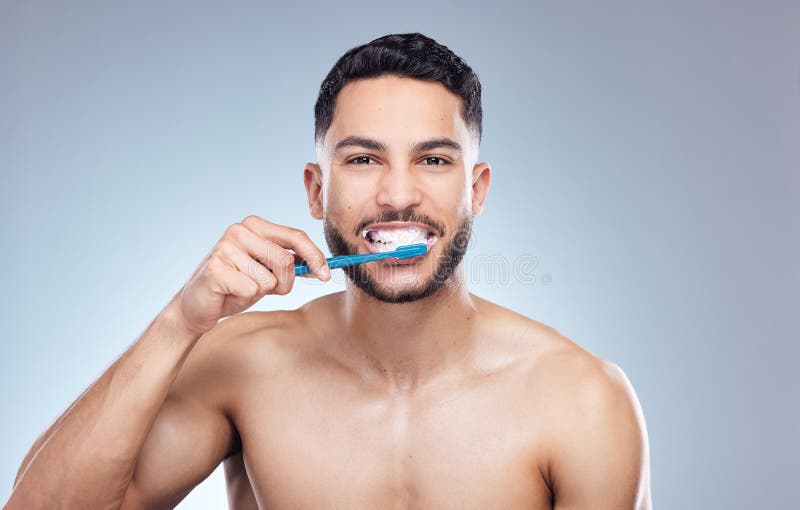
x,y
390,239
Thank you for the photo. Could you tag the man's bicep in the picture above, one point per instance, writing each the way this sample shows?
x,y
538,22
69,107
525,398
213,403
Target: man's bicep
x,y
184,446
602,461
191,434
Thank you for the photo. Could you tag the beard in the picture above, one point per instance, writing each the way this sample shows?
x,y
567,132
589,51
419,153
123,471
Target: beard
x,y
446,263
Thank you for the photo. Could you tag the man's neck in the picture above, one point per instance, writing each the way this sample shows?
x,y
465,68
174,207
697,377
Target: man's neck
x,y
409,344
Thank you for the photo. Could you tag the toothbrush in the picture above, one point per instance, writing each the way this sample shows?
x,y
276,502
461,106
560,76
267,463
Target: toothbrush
x,y
402,252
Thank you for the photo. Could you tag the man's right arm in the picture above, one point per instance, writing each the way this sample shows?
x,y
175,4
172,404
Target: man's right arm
x,y
87,458
192,433
132,440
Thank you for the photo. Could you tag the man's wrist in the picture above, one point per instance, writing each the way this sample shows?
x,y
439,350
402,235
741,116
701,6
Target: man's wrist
x,y
174,321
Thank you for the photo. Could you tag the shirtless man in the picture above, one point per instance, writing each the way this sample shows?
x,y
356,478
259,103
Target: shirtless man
x,y
403,391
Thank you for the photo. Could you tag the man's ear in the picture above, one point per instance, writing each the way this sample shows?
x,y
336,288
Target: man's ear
x,y
312,178
481,179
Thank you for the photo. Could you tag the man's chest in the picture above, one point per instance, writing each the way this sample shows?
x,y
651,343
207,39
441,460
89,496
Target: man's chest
x,y
310,444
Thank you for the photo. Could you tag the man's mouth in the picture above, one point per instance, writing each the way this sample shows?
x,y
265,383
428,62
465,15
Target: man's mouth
x,y
389,236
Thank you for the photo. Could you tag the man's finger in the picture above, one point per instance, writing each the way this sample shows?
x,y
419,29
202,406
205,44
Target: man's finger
x,y
292,238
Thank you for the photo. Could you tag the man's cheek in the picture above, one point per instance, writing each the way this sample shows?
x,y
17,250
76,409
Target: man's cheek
x,y
344,201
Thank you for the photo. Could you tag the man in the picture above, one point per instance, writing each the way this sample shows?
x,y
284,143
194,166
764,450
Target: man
x,y
403,391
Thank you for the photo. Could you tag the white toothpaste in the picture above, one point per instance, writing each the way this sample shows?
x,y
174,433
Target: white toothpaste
x,y
390,239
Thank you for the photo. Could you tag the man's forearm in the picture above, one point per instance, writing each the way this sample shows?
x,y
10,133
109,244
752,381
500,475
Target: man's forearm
x,y
87,457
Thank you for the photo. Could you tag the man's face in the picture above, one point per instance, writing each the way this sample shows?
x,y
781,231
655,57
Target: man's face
x,y
395,168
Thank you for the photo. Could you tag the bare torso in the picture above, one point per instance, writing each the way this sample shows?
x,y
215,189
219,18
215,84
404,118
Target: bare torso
x,y
317,434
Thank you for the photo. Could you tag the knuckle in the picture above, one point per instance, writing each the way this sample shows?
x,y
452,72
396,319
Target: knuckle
x,y
252,220
251,290
235,231
256,271
214,269
314,260
285,259
226,248
270,283
298,234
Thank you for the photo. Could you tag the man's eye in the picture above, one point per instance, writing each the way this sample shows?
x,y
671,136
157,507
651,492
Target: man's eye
x,y
437,160
430,160
359,160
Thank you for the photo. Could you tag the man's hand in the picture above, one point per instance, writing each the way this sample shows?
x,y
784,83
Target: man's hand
x,y
251,259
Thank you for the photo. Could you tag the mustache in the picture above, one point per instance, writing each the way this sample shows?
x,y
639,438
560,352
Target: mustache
x,y
407,215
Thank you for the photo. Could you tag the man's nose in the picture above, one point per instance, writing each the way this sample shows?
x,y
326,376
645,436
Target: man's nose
x,y
399,188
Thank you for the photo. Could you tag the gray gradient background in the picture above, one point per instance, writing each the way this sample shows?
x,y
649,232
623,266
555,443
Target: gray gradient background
x,y
645,154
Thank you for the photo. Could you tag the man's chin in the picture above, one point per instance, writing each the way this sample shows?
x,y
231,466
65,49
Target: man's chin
x,y
397,295
392,287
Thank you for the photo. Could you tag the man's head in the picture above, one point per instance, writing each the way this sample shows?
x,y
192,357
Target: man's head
x,y
398,127
409,55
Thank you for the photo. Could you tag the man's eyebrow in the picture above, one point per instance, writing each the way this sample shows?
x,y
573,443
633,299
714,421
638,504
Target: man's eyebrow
x,y
436,143
375,145
359,141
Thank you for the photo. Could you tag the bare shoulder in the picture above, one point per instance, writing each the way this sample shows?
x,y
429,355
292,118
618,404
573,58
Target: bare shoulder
x,y
248,347
590,421
541,350
220,361
553,360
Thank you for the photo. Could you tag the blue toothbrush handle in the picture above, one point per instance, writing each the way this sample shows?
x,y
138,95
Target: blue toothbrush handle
x,y
403,252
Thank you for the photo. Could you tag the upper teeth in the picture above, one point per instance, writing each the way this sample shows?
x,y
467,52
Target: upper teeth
x,y
389,239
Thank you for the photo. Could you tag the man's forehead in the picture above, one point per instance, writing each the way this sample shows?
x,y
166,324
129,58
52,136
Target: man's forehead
x,y
395,84
390,110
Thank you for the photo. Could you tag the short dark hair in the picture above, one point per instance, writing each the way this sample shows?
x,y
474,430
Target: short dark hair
x,y
407,55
